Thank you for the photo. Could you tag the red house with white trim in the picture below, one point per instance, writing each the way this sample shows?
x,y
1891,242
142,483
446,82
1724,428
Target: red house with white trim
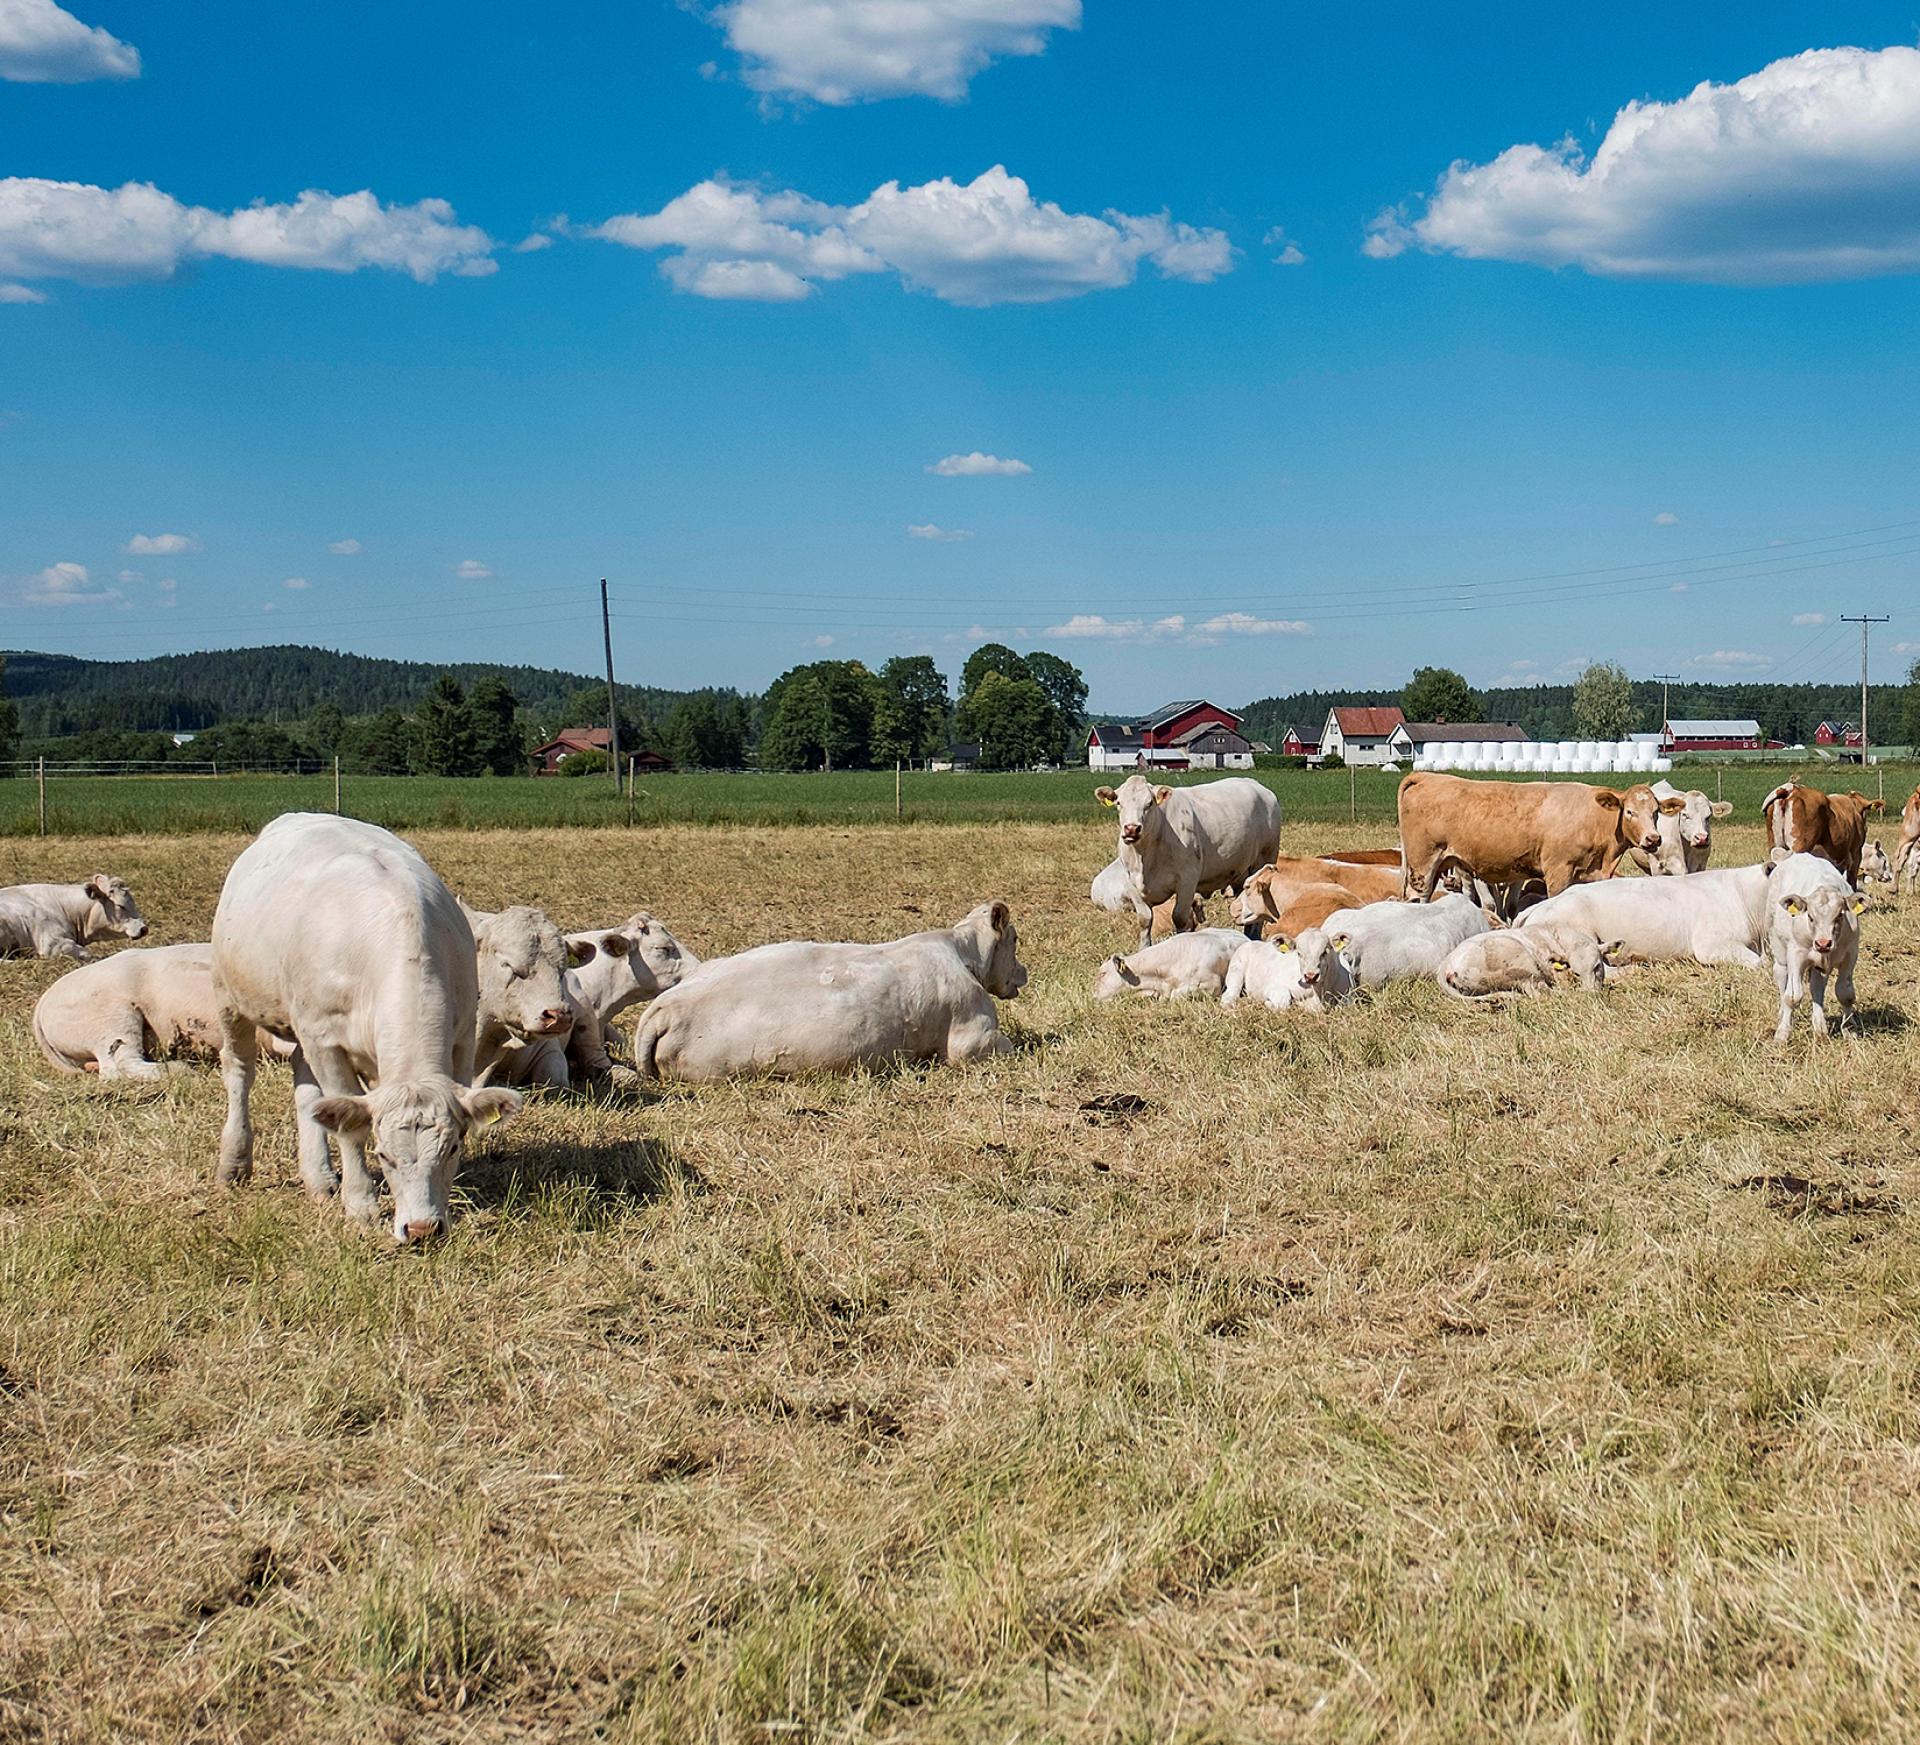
x,y
1190,734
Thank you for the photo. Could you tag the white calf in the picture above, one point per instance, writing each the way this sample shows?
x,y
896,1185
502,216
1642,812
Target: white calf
x,y
1187,963
1814,936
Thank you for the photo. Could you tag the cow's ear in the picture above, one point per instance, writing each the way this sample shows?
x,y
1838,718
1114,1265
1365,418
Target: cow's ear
x,y
1612,949
615,944
96,887
1793,905
998,916
490,1105
1859,903
1672,804
580,952
1558,962
1282,943
350,1117
1340,941
1162,795
1720,808
1607,798
1106,796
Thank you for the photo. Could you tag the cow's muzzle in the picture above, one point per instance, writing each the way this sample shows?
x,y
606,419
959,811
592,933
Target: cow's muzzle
x,y
1129,832
422,1230
137,931
554,1021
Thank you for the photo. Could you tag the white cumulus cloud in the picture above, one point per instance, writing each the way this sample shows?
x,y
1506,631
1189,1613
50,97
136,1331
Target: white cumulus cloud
x,y
973,244
161,544
296,583
74,230
1224,624
21,294
69,584
1808,169
1805,620
823,641
471,569
43,44
1732,660
1666,518
978,466
844,51
345,548
1092,626
1291,253
945,535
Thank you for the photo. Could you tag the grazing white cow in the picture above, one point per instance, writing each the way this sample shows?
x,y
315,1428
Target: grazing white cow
x,y
1492,966
117,1016
522,963
613,968
1188,963
1303,970
1188,842
339,936
1875,868
1398,942
1708,917
1813,934
811,1007
63,920
1686,837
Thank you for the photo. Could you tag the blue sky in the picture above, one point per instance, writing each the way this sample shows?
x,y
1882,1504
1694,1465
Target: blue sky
x,y
1293,409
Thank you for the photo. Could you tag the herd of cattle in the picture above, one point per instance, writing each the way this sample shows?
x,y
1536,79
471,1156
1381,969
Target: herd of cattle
x,y
408,1018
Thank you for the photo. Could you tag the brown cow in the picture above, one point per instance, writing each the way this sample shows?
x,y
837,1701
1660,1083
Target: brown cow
x,y
1364,856
1805,820
1565,833
1906,858
1303,906
1269,892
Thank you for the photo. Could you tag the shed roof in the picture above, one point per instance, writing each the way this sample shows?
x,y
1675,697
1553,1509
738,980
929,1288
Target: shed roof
x,y
1714,729
1457,732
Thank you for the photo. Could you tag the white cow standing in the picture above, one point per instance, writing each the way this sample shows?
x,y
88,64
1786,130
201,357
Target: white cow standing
x,y
1686,837
1813,934
339,936
806,1006
63,920
1188,963
1185,843
1398,942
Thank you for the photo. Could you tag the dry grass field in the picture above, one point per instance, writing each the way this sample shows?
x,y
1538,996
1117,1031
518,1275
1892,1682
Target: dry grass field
x,y
1421,1372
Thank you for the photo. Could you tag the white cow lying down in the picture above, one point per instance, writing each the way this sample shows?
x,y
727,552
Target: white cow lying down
x,y
1187,963
1397,942
63,920
339,935
1709,917
1491,966
1813,933
612,969
811,1007
1304,971
117,1017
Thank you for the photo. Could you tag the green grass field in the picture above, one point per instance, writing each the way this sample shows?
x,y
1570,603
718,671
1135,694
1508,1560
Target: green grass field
x,y
1417,1372
140,805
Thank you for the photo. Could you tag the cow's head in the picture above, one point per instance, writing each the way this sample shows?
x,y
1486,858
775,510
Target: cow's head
x,y
1253,904
415,1132
1135,800
988,937
523,963
634,961
1696,815
1582,957
1315,965
1640,810
113,909
1114,979
1824,921
1875,868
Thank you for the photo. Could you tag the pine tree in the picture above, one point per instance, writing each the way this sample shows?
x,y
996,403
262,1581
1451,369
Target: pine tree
x,y
499,745
443,733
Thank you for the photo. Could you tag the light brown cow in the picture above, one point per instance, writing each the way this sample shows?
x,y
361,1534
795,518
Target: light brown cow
x,y
1804,820
1363,856
1564,833
1267,895
1906,858
1305,908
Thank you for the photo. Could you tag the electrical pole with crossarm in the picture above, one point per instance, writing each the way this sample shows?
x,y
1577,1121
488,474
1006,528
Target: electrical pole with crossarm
x,y
1666,679
1863,621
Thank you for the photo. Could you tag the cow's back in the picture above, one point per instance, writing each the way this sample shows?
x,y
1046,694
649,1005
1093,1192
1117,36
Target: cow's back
x,y
1233,825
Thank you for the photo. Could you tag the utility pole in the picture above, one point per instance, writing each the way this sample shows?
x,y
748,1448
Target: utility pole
x,y
1666,679
613,706
1863,621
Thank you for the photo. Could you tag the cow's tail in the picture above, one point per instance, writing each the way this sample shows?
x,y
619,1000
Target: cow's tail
x,y
60,1062
646,1044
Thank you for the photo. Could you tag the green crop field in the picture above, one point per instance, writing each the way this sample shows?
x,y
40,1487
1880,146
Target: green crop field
x,y
164,805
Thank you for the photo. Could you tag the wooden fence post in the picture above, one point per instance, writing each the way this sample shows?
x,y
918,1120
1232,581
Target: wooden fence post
x,y
1353,795
632,782
336,786
43,796
896,791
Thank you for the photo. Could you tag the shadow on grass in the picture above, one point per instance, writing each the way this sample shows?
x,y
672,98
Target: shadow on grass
x,y
580,1184
1877,1020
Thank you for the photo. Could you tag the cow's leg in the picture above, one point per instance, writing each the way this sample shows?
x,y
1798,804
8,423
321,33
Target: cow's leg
x,y
1143,912
1843,992
1184,919
359,1193
1817,1011
239,1055
975,1037
316,1163
1790,991
121,1048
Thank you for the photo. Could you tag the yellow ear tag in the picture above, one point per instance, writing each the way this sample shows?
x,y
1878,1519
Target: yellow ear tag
x,y
1283,945
1558,962
1105,801
1342,941
1859,905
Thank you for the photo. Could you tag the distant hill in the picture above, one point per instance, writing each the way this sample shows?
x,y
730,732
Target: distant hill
x,y
61,694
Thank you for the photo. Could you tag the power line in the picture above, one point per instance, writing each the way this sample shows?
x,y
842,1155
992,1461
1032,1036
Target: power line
x,y
1863,621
